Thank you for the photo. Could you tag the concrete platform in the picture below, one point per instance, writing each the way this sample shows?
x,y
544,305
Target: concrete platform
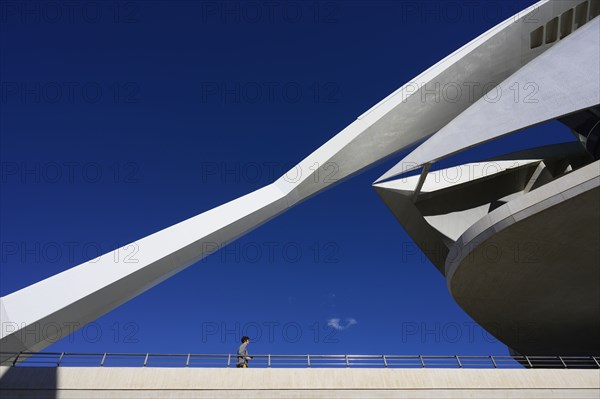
x,y
113,382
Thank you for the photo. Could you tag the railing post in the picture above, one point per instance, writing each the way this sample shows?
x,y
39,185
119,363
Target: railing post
x,y
347,363
596,360
16,358
422,362
146,359
384,361
458,361
308,359
562,361
103,359
59,359
528,362
187,362
229,360
269,360
493,361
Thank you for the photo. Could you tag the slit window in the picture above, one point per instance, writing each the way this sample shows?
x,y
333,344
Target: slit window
x,y
581,12
552,30
566,23
594,9
537,37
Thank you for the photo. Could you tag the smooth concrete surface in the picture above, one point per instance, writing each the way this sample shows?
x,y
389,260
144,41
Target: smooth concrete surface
x,y
99,382
436,207
528,272
560,82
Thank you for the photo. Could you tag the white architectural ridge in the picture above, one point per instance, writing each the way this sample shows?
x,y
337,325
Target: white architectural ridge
x,y
553,41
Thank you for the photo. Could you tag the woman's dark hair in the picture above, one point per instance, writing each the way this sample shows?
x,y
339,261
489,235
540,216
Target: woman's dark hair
x,y
245,338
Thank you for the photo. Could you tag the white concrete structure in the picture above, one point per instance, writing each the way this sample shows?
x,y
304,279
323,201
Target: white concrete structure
x,y
150,383
518,237
561,81
410,114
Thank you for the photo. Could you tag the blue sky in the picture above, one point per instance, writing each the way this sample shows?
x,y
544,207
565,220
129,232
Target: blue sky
x,y
119,120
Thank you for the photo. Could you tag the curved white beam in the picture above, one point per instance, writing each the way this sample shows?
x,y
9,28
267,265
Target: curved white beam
x,y
561,81
86,292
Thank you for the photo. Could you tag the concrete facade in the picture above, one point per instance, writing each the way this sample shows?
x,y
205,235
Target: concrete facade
x,y
118,382
548,294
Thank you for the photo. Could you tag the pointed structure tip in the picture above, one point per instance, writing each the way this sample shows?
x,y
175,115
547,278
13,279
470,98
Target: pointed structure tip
x,y
396,171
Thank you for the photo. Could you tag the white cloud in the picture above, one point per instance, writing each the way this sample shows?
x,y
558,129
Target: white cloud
x,y
338,325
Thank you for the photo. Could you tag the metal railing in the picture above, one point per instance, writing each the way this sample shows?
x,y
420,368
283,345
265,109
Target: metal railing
x,y
68,359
